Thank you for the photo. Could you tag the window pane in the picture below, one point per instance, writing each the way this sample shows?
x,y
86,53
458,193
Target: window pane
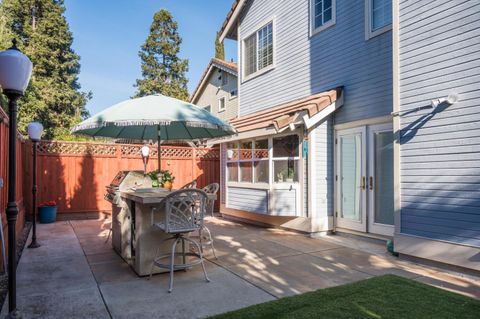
x,y
381,12
246,172
250,55
232,151
327,15
261,149
245,150
286,146
285,171
232,172
261,171
221,104
265,46
323,12
384,178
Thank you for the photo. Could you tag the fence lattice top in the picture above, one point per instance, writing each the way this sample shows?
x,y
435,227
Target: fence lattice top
x,y
122,150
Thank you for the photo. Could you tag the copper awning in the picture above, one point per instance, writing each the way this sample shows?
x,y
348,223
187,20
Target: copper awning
x,y
287,114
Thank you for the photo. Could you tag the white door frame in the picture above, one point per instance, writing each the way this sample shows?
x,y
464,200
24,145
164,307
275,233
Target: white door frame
x,y
376,228
360,225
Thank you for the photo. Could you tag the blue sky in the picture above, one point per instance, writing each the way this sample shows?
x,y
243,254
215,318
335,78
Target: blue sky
x,y
108,35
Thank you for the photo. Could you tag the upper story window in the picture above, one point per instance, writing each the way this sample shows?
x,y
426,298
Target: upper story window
x,y
322,14
233,93
258,50
221,104
379,17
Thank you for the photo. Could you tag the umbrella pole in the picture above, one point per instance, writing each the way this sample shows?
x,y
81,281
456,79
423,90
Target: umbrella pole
x,y
159,150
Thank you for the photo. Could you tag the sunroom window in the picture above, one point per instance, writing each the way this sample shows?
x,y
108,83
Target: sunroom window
x,y
249,161
286,158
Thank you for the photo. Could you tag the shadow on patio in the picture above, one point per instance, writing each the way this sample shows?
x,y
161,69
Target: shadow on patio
x,y
77,274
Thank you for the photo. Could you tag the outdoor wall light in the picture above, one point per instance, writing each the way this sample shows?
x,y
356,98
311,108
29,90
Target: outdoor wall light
x,y
35,132
145,153
229,154
15,73
451,99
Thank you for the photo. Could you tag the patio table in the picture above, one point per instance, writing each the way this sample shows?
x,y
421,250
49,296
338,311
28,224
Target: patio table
x,y
134,237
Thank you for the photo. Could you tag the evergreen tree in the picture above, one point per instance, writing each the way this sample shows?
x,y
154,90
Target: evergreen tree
x,y
219,48
162,70
53,96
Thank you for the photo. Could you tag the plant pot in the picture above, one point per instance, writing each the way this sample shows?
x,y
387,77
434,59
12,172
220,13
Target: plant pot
x,y
168,185
47,214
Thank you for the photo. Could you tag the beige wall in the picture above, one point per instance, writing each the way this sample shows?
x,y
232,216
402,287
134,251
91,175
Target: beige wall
x,y
210,94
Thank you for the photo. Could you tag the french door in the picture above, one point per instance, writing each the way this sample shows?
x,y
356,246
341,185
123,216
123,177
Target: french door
x,y
364,179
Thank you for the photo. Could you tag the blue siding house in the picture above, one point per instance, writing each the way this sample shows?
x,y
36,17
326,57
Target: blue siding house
x,y
336,130
437,104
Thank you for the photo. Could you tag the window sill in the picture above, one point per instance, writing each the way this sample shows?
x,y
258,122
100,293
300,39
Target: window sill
x,y
222,110
372,34
258,73
324,27
249,185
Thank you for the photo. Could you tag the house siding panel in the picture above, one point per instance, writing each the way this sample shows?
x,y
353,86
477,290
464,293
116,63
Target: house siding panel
x,y
324,173
249,200
337,56
440,150
214,90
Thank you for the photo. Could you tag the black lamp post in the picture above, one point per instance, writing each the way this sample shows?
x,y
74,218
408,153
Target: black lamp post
x,y
35,131
15,72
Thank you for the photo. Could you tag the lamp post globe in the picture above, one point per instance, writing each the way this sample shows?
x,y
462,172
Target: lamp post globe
x,y
145,153
15,73
35,132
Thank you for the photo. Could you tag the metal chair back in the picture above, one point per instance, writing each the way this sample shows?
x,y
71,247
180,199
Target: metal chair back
x,y
192,184
211,188
185,210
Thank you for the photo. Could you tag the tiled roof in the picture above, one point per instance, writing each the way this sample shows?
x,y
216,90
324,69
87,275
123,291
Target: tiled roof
x,y
283,115
229,15
230,67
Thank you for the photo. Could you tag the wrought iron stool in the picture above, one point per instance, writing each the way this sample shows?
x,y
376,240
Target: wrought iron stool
x,y
184,212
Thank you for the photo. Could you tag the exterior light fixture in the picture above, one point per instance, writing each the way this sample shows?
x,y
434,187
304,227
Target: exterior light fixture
x,y
451,99
15,73
145,153
35,132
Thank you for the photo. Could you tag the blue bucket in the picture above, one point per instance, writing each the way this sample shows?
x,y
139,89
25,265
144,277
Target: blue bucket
x,y
47,214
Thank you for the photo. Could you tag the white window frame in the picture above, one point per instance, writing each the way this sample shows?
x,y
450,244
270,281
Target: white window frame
x,y
255,32
332,22
369,33
220,108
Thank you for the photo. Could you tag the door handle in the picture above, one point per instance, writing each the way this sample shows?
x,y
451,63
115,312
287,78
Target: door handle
x,y
370,183
363,182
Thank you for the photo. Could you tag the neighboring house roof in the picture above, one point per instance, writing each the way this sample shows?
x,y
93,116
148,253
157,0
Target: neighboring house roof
x,y
230,67
228,29
283,115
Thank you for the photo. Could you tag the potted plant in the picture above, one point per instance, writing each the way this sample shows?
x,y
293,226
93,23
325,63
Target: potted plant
x,y
47,212
154,177
166,179
290,175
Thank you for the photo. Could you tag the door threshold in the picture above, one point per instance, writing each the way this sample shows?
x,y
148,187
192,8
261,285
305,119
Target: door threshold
x,y
362,234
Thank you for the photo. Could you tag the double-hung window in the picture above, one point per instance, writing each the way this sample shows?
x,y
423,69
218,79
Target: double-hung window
x,y
221,104
379,17
258,50
322,14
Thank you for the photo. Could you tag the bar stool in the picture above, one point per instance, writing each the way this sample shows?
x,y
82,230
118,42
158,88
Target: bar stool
x,y
184,212
204,234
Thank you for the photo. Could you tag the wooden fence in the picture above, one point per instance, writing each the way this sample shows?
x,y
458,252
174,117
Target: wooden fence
x,y
4,175
75,174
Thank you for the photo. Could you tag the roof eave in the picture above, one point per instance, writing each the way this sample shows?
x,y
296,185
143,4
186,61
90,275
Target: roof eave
x,y
228,30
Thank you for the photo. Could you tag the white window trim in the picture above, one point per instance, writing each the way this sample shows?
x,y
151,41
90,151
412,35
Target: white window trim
x,y
220,109
246,78
368,23
313,30
234,96
270,159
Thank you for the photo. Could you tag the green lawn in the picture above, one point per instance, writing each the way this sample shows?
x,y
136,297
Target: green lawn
x,y
380,297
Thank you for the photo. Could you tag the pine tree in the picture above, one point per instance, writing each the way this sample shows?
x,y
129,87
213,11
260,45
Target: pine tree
x,y
219,48
53,96
162,70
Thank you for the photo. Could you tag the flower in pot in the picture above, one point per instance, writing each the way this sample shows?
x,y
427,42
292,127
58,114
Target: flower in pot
x,y
47,212
166,180
154,177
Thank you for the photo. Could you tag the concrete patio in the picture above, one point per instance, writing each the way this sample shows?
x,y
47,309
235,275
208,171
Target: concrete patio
x,y
76,274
